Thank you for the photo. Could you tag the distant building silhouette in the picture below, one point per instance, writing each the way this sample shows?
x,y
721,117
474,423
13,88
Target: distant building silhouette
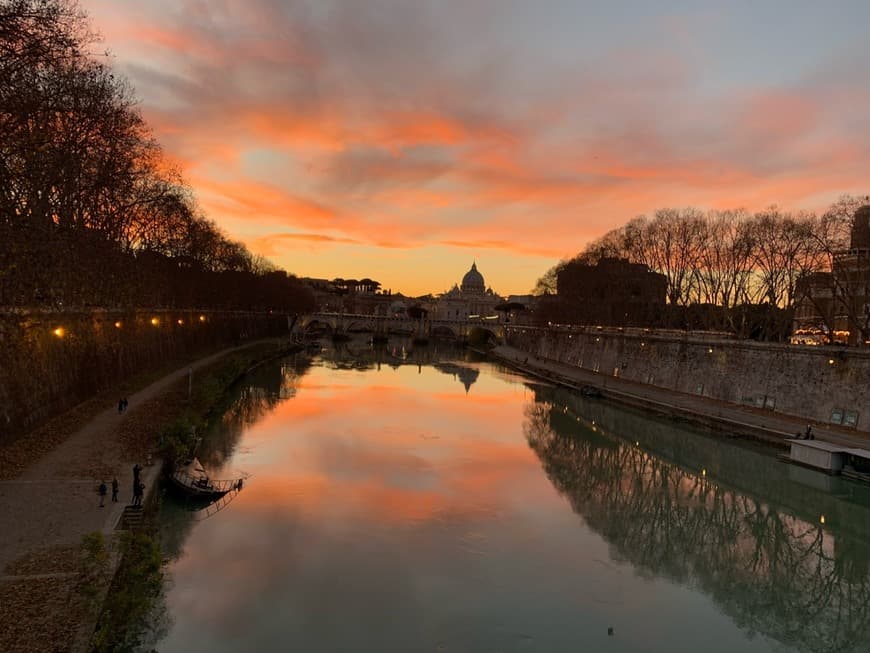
x,y
836,305
612,292
470,298
364,296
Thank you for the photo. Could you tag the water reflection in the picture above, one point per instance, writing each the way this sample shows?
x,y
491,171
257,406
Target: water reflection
x,y
466,375
398,504
779,557
361,355
257,393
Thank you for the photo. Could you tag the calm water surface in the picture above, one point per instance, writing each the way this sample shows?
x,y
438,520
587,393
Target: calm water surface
x,y
428,501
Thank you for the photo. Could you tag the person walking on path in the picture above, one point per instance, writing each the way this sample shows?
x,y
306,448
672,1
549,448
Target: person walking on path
x,y
114,490
124,403
102,491
120,406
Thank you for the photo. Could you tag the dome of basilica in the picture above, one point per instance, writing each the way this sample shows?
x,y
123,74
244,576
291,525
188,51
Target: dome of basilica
x,y
473,282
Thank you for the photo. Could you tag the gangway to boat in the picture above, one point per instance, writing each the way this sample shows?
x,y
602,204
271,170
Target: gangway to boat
x,y
210,509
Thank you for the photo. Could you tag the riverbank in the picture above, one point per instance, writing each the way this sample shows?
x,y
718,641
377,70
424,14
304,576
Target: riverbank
x,y
718,417
52,504
824,384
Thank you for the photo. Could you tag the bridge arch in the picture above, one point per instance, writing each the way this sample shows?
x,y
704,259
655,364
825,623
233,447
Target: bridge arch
x,y
313,326
482,335
443,331
359,326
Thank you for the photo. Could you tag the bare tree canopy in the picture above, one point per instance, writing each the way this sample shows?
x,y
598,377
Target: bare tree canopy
x,y
730,259
90,211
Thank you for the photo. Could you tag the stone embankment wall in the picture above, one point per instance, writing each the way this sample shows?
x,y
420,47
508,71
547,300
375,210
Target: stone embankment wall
x,y
825,384
50,361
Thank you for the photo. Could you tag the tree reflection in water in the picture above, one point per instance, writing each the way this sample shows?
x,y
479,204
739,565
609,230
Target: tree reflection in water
x,y
753,549
253,396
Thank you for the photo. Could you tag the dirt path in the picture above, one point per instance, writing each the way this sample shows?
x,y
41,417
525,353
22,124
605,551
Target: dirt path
x,y
47,509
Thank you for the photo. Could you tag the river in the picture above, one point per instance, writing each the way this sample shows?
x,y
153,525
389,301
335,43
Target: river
x,y
429,500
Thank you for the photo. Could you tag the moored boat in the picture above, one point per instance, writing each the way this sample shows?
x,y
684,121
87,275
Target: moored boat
x,y
192,480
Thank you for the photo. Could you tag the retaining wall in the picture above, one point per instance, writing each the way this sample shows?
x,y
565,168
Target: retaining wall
x,y
826,384
50,361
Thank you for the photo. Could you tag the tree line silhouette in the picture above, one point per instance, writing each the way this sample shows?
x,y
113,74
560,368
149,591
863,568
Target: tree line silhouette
x,y
91,212
722,267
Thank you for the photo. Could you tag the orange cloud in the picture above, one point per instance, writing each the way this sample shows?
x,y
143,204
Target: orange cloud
x,y
348,127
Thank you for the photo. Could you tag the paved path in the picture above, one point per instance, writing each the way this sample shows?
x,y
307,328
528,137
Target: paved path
x,y
743,419
53,504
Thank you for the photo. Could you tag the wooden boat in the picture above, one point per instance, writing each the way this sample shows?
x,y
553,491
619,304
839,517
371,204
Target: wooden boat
x,y
192,480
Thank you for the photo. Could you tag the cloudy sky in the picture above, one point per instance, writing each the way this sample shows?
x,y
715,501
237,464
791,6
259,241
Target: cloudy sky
x,y
403,139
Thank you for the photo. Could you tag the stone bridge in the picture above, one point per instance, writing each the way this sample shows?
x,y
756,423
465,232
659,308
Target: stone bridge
x,y
382,325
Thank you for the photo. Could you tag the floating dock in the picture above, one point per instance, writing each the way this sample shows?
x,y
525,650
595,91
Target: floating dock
x,y
831,458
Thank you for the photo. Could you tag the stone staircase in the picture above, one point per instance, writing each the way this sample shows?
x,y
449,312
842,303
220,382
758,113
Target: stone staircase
x,y
132,519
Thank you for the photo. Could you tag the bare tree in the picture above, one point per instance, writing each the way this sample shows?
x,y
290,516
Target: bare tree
x,y
546,285
672,241
783,250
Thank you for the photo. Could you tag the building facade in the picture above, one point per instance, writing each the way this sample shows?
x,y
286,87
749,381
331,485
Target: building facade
x,y
612,292
834,307
469,299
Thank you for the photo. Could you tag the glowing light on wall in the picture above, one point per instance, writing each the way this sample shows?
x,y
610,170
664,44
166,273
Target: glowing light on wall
x,y
155,321
202,318
60,332
118,324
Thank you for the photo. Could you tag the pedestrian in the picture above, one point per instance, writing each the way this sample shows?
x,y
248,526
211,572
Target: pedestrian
x,y
137,469
102,491
115,490
120,406
809,433
138,491
125,402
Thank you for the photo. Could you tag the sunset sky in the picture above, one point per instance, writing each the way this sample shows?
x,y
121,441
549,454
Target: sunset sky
x,y
401,140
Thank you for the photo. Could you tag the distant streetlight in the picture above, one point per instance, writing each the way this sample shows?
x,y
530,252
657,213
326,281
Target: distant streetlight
x,y
60,332
118,324
155,321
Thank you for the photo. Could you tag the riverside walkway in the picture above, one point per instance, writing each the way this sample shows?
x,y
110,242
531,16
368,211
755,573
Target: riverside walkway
x,y
727,418
46,510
